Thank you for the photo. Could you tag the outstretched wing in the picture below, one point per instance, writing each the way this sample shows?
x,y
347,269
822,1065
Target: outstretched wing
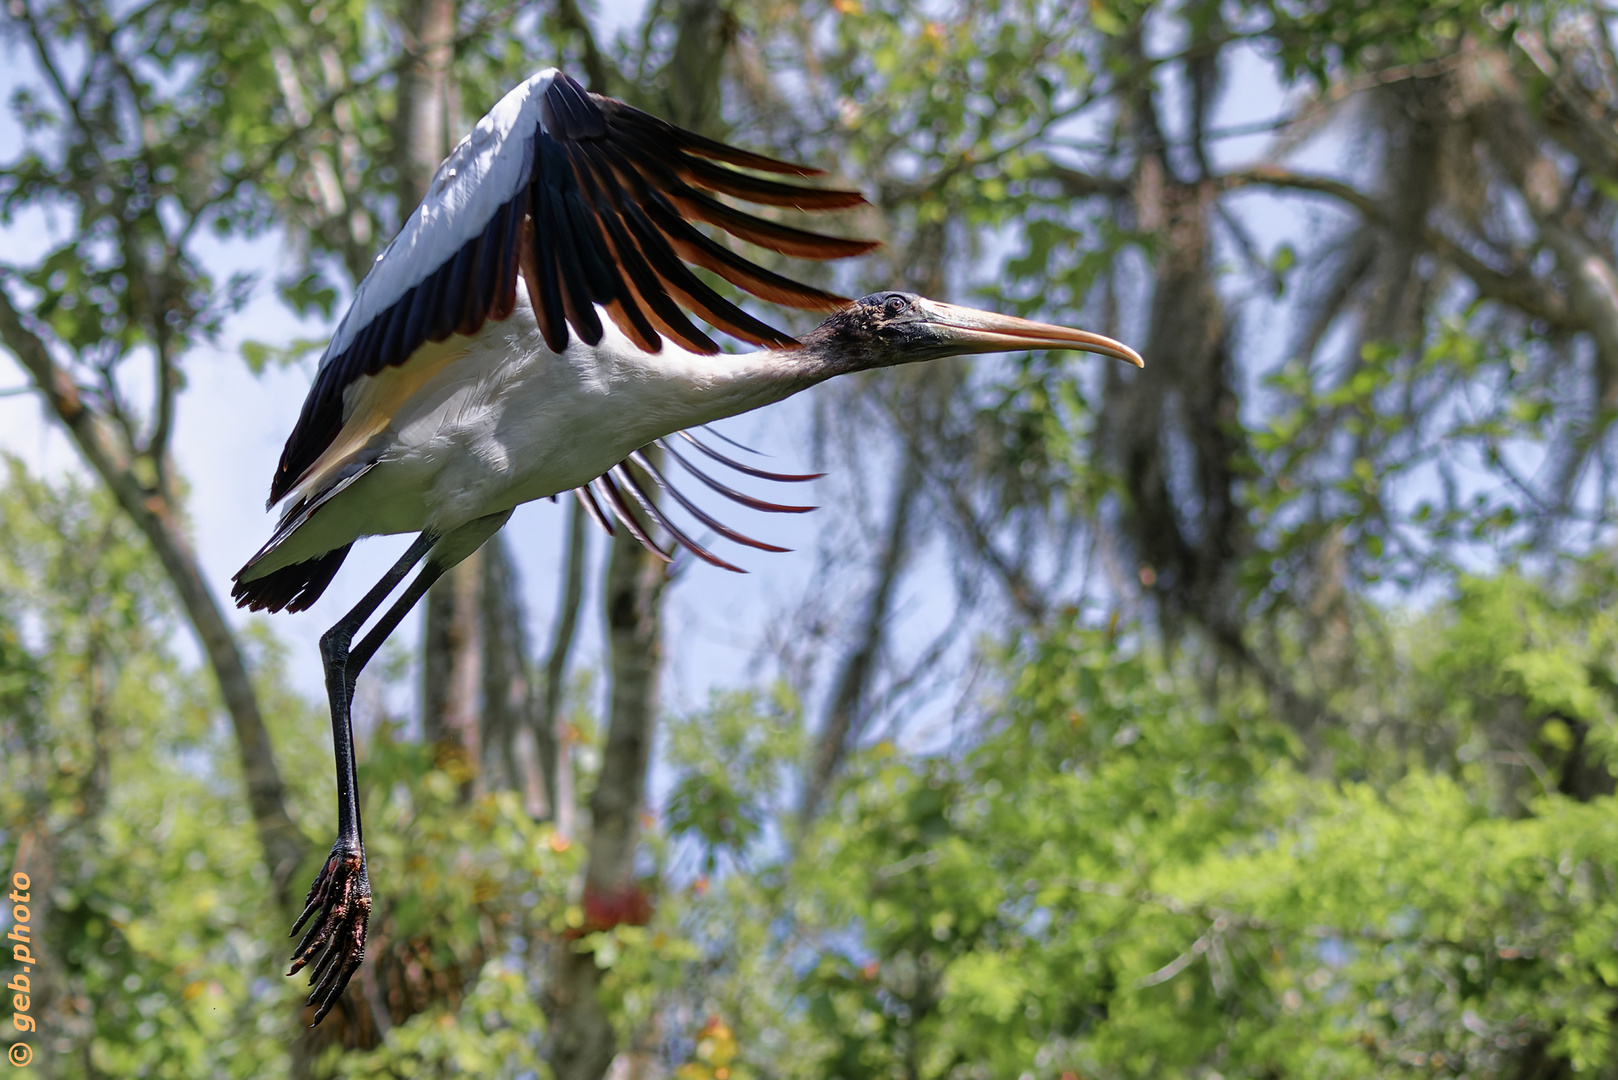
x,y
588,202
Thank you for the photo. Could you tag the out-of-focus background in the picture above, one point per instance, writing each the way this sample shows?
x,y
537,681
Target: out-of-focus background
x,y
1251,715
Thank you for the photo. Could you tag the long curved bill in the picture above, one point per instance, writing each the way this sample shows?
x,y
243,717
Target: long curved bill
x,y
973,331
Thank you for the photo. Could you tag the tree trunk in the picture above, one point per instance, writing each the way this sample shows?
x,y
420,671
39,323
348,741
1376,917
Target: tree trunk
x,y
705,31
1183,522
585,1041
507,693
452,665
555,756
421,133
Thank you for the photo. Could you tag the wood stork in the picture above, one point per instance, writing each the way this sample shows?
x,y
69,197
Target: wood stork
x,y
448,395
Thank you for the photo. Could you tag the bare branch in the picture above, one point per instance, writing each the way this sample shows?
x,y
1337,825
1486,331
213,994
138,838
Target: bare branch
x,y
1078,184
848,709
1521,290
1276,176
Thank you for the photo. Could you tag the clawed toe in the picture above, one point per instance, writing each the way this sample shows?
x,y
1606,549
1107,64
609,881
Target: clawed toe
x,y
338,911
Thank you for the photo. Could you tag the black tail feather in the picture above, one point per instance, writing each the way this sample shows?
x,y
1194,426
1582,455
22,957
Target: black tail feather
x,y
291,588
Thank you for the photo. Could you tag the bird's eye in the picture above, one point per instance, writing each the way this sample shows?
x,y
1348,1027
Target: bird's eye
x,y
895,305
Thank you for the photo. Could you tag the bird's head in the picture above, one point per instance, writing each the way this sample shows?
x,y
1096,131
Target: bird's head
x,y
889,328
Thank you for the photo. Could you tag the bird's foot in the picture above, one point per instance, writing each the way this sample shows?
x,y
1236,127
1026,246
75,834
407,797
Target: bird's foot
x,y
338,911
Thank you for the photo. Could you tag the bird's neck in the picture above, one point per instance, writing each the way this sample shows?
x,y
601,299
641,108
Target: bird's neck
x,y
708,388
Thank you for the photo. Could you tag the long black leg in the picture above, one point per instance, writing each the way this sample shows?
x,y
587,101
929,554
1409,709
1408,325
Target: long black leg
x,y
342,891
362,653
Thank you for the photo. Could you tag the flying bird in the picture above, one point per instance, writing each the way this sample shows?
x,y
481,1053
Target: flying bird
x,y
525,334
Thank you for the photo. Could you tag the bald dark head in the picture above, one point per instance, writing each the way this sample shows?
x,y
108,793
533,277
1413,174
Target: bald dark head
x,y
888,328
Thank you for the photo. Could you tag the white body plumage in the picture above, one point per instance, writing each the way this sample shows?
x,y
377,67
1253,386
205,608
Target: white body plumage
x,y
507,421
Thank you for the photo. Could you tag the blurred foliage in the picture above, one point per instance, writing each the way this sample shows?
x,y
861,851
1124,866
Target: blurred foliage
x,y
1118,881
734,763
